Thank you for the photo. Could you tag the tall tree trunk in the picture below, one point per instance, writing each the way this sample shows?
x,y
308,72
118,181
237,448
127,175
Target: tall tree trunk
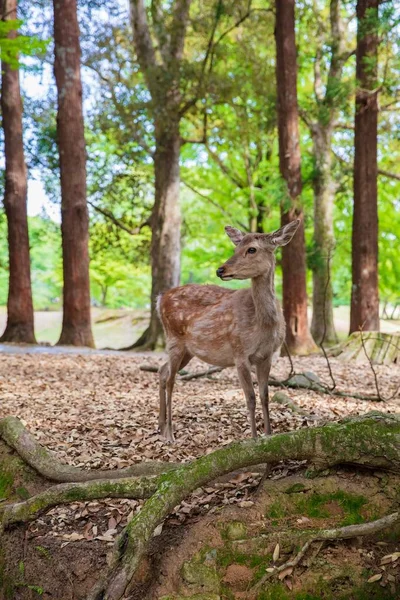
x,y
76,327
166,222
20,326
364,292
322,326
298,337
163,82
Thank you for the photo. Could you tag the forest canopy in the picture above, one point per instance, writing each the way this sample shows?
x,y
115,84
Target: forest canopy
x,y
229,153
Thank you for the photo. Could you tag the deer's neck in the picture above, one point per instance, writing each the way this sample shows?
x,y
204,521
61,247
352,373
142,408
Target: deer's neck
x,y
263,291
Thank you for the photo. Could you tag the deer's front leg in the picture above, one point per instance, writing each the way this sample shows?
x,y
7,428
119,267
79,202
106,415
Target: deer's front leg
x,y
162,417
246,382
263,370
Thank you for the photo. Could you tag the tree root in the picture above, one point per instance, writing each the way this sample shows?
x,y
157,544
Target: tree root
x,y
372,441
286,383
210,371
130,487
46,464
340,533
185,376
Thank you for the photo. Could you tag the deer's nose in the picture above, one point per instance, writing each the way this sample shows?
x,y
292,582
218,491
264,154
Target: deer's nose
x,y
220,271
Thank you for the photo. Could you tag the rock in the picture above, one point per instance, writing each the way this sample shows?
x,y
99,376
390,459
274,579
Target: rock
x,y
304,380
312,376
238,577
202,576
281,398
236,530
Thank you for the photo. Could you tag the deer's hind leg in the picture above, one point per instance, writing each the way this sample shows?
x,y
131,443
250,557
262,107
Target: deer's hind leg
x,y
263,370
246,382
177,359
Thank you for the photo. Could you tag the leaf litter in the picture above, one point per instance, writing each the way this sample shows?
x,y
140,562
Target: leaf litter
x,y
100,411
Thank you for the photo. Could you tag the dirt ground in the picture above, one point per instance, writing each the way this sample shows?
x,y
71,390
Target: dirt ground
x,y
100,411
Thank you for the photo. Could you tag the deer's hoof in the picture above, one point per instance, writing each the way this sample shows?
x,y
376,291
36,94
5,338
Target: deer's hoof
x,y
168,436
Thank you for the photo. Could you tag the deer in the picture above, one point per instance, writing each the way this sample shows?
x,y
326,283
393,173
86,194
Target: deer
x,y
244,328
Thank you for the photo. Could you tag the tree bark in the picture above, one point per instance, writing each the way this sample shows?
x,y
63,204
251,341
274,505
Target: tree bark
x,y
322,325
327,105
166,223
76,326
163,82
298,337
20,322
364,292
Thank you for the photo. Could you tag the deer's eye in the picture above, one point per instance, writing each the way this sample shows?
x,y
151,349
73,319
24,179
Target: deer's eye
x,y
252,250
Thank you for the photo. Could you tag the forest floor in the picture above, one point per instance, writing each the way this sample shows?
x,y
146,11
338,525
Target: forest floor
x,y
100,411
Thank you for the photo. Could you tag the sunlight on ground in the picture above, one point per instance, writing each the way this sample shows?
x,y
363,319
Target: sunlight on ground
x,y
118,328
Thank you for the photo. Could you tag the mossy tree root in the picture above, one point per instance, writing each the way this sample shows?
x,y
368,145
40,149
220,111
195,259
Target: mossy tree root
x,y
130,487
339,533
46,464
370,441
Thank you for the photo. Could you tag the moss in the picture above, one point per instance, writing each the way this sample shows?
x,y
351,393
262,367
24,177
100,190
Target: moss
x,y
22,493
200,575
6,482
315,505
296,487
43,551
227,556
235,530
277,510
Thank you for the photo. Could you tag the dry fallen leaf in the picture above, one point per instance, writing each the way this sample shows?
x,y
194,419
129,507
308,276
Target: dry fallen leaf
x,y
288,583
374,578
285,573
276,553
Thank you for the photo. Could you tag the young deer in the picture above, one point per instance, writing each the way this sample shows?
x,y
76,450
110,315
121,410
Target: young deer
x,y
227,327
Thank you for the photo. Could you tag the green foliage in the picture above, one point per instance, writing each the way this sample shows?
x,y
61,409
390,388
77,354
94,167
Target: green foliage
x,y
232,179
12,46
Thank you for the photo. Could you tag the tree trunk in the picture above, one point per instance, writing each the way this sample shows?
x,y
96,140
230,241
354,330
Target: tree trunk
x,y
298,336
379,348
166,221
322,326
20,326
364,292
76,327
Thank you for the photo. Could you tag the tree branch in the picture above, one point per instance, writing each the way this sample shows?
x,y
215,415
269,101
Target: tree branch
x,y
198,93
341,533
179,24
109,215
142,39
214,203
388,174
160,30
224,168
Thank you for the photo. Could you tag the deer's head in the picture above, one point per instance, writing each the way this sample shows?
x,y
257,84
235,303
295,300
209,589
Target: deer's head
x,y
254,253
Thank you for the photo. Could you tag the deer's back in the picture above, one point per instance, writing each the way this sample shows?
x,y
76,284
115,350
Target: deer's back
x,y
186,303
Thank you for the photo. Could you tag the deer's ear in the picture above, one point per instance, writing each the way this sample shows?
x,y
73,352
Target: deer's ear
x,y
283,236
234,234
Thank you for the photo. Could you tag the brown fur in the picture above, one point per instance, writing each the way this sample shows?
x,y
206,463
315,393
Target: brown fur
x,y
227,327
